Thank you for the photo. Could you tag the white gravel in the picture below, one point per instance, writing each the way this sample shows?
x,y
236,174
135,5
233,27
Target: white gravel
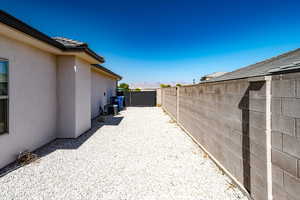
x,y
143,157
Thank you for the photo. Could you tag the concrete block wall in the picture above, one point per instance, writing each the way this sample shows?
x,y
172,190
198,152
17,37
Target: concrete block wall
x,y
170,100
228,120
286,136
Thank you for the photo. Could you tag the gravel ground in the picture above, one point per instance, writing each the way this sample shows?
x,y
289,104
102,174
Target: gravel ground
x,y
139,154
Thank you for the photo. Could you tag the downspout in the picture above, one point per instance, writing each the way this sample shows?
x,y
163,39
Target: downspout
x,y
268,80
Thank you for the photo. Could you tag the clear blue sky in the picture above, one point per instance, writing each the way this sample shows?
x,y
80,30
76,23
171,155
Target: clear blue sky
x,y
169,40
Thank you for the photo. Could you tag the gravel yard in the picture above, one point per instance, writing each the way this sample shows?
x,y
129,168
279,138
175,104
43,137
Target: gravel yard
x,y
139,154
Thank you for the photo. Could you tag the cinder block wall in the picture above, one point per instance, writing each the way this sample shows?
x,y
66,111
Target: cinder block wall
x,y
170,100
228,120
286,136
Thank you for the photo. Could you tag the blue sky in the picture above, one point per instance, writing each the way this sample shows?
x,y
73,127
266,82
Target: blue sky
x,y
169,40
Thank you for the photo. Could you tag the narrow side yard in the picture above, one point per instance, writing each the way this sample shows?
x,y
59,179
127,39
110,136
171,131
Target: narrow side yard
x,y
138,155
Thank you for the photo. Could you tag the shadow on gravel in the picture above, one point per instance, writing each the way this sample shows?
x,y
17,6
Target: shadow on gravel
x,y
68,143
75,143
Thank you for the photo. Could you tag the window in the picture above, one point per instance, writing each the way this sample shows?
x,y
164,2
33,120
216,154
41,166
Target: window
x,y
3,96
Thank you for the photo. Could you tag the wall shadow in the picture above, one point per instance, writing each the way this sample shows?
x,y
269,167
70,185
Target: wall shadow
x,y
68,143
244,105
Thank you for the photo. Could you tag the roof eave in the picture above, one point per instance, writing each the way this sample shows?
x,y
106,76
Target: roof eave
x,y
18,25
105,70
86,50
15,23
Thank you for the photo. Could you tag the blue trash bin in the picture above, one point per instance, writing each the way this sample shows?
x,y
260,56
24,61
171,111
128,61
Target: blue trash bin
x,y
119,100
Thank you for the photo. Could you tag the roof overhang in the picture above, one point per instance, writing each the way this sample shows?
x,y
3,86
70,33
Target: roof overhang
x,y
13,28
106,72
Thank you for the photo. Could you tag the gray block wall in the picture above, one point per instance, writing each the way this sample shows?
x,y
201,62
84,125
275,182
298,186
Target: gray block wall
x,y
170,100
228,119
286,136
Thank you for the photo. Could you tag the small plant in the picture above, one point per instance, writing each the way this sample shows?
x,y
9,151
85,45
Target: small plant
x,y
171,121
221,170
165,85
26,157
231,185
101,119
124,87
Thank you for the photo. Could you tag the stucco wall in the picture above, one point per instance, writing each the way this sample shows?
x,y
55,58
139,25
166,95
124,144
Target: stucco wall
x,y
66,118
74,96
82,97
228,120
101,84
32,99
49,97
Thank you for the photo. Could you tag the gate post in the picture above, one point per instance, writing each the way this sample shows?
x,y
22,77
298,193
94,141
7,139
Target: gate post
x,y
177,103
268,80
162,97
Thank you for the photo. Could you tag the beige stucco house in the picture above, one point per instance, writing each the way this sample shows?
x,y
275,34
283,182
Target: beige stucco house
x,y
49,88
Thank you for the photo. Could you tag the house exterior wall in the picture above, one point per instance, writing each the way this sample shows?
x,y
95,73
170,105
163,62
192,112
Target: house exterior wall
x,y
49,97
32,99
74,96
228,120
66,117
101,84
49,88
82,97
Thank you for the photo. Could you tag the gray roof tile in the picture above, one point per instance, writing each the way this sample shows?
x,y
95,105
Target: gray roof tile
x,y
69,42
63,44
262,68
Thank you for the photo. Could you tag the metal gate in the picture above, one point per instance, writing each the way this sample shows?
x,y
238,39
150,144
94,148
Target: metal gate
x,y
140,98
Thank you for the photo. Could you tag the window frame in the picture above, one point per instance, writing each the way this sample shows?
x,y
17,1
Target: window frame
x,y
7,97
